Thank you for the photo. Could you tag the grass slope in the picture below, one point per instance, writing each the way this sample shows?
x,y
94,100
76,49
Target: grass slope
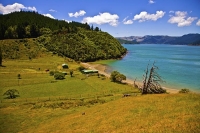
x,y
46,105
150,113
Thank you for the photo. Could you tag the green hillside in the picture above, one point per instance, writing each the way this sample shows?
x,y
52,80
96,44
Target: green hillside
x,y
74,40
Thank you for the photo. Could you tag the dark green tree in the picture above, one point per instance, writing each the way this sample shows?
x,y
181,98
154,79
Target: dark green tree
x,y
92,28
21,32
96,29
34,31
11,93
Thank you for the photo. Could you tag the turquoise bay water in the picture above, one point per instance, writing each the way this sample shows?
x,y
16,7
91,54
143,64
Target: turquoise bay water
x,y
179,65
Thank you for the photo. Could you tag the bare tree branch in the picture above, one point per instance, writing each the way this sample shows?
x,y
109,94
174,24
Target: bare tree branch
x,y
151,81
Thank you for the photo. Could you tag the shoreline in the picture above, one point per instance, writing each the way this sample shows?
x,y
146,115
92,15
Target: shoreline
x,y
102,70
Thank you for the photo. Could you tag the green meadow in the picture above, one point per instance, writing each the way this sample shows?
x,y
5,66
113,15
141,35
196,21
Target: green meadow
x,y
86,103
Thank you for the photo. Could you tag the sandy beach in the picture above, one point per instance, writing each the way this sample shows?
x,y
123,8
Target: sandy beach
x,y
102,70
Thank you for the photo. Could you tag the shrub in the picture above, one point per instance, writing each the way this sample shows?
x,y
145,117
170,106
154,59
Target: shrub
x,y
184,91
51,73
117,77
59,76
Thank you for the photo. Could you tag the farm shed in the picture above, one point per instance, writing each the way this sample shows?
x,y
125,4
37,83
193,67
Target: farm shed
x,y
89,71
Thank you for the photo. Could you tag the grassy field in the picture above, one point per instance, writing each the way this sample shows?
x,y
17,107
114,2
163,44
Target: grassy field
x,y
86,104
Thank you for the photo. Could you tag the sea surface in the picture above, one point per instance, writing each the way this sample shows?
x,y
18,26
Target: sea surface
x,y
179,65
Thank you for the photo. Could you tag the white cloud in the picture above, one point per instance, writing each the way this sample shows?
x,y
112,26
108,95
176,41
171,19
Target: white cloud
x,y
171,11
14,7
198,23
125,21
181,19
128,22
103,18
77,14
151,1
144,16
51,10
48,15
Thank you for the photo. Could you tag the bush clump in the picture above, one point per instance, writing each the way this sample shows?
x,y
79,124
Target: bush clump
x,y
184,91
117,77
59,76
51,73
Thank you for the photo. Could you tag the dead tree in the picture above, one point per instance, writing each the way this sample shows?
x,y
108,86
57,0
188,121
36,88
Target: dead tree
x,y
151,81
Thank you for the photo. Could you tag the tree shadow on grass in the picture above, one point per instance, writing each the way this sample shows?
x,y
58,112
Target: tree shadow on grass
x,y
15,96
2,66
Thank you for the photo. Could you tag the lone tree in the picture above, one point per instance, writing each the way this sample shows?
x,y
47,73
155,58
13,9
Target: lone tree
x,y
19,76
11,93
71,73
151,81
117,77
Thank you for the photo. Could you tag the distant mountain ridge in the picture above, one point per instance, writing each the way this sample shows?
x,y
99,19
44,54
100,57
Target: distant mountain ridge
x,y
188,39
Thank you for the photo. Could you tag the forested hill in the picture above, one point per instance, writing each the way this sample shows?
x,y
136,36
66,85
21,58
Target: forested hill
x,y
75,40
31,24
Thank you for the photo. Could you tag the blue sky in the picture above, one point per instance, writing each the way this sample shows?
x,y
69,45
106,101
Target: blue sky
x,y
119,17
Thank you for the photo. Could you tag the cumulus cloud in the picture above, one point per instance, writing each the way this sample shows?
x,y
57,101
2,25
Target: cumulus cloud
x,y
103,18
151,1
14,7
77,14
181,19
198,23
144,16
48,15
171,11
125,21
51,10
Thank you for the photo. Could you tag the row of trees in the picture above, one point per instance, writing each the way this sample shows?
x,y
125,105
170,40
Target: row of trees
x,y
26,24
